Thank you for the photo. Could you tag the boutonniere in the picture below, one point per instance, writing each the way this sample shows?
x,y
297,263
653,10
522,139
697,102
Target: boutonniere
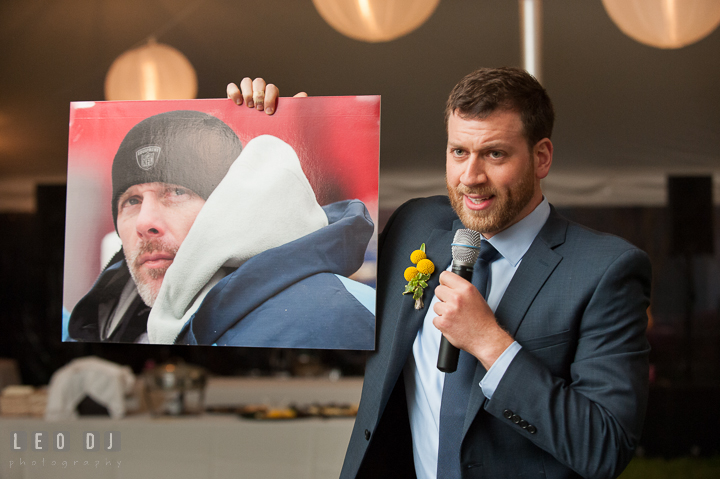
x,y
418,275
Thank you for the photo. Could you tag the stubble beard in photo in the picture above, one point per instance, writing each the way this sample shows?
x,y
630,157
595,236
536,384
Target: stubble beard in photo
x,y
146,281
507,205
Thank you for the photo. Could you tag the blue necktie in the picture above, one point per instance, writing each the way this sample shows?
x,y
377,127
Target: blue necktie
x,y
456,390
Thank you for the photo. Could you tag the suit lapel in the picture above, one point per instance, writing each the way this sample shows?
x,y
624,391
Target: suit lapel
x,y
409,319
534,270
536,267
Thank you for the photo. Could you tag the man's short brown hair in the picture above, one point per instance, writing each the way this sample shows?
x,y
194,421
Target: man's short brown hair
x,y
488,89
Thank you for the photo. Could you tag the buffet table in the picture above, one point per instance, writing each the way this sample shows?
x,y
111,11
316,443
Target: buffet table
x,y
206,446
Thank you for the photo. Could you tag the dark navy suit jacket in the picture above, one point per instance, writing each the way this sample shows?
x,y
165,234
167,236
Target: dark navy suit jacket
x,y
571,403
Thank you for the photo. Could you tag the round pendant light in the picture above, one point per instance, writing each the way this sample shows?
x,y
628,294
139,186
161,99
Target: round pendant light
x,y
154,71
665,23
375,20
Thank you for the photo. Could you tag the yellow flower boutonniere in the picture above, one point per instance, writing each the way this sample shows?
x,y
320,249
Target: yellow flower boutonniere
x,y
418,275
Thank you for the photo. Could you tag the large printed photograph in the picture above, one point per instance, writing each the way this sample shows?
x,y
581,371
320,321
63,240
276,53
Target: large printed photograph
x,y
198,222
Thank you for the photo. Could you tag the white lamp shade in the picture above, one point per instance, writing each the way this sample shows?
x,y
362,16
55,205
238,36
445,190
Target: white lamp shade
x,y
375,20
151,72
665,23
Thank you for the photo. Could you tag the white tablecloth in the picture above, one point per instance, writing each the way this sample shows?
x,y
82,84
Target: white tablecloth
x,y
208,446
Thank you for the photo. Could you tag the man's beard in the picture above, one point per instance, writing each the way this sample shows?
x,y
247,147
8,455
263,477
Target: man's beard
x,y
148,290
507,204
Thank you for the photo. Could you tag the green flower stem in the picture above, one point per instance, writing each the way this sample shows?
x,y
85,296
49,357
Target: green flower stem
x,y
416,285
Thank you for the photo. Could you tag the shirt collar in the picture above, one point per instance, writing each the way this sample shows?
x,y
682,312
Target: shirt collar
x,y
514,241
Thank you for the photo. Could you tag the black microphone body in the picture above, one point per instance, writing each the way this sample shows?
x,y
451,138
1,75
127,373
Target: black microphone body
x,y
449,354
465,251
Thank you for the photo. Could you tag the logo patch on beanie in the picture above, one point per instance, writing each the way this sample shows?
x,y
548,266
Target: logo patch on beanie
x,y
147,156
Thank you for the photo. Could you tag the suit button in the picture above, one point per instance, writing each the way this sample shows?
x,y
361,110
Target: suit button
x,y
507,414
367,435
523,424
515,418
531,429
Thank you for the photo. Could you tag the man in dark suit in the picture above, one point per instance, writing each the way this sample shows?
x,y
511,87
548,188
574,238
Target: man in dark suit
x,y
555,345
553,372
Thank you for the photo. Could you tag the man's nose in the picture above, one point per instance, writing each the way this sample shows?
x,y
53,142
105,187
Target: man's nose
x,y
150,221
474,173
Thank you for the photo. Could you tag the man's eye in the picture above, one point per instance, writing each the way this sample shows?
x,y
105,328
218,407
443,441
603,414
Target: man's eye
x,y
458,152
131,202
496,154
180,191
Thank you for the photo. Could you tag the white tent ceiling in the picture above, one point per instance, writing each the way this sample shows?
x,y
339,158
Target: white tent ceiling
x,y
624,110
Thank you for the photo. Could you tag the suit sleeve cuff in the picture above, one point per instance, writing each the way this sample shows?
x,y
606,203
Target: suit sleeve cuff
x,y
497,370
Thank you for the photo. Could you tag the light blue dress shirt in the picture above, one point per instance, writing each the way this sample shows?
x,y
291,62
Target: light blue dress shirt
x,y
424,382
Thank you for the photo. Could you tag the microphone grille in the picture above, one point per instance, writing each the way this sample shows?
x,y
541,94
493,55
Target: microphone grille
x,y
466,246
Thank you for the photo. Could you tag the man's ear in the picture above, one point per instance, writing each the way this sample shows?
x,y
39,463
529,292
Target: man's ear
x,y
542,157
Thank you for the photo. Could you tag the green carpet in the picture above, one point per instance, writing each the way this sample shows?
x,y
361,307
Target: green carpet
x,y
680,468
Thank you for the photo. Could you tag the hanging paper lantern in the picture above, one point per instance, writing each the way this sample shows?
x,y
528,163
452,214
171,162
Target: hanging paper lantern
x,y
153,71
375,20
665,23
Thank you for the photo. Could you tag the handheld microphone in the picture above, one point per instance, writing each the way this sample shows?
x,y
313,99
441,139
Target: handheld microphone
x,y
465,252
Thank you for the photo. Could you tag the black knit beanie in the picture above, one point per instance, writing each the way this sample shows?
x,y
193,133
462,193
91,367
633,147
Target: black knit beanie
x,y
186,148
